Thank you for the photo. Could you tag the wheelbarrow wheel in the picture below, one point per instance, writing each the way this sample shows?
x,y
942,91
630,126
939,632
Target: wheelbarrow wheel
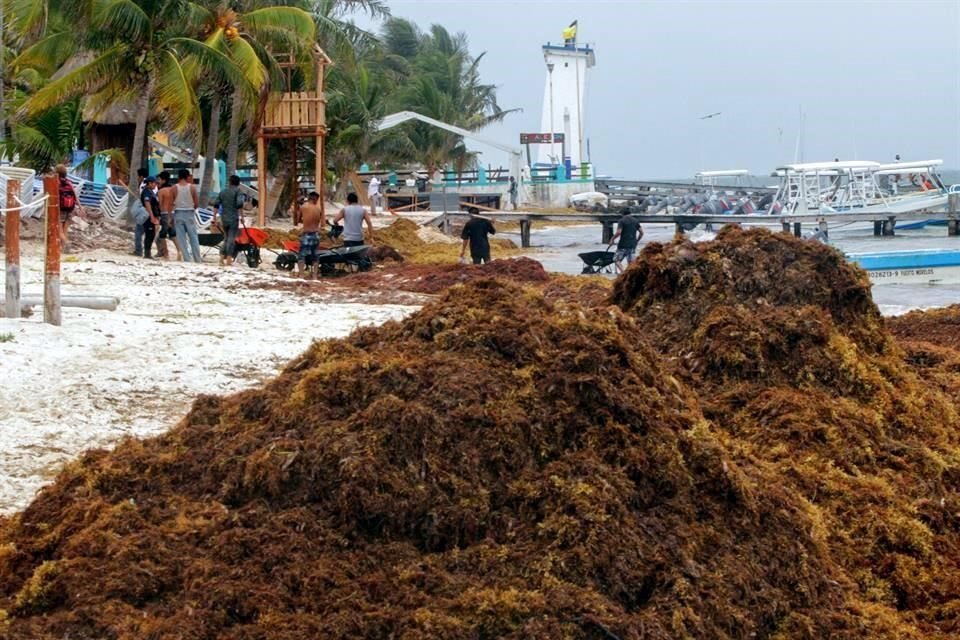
x,y
286,261
253,257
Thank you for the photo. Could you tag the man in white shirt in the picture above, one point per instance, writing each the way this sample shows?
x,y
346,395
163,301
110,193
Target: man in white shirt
x,y
373,192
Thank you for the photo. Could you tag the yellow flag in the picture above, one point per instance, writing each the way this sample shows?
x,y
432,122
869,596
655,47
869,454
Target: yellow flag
x,y
570,33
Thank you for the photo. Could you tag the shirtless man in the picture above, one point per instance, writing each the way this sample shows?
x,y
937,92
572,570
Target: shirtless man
x,y
167,232
313,219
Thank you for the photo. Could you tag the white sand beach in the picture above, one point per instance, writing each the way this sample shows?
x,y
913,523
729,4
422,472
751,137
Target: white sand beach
x,y
180,330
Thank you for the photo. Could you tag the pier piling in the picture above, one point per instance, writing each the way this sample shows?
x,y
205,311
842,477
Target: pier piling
x,y
953,223
607,233
888,226
525,233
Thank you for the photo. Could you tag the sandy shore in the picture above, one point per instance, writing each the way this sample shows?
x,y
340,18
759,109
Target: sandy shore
x,y
180,330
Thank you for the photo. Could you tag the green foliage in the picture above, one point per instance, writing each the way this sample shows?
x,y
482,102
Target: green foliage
x,y
6,337
432,73
156,57
47,139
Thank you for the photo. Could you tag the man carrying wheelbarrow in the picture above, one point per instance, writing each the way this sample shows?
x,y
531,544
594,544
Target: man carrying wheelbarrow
x,y
629,233
311,215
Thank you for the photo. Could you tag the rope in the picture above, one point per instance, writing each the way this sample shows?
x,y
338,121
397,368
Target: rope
x,y
23,206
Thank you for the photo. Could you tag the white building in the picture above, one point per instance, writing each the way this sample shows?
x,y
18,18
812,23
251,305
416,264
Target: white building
x,y
563,102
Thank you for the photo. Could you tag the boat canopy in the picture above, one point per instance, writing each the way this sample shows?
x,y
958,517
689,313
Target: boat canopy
x,y
908,167
721,174
821,167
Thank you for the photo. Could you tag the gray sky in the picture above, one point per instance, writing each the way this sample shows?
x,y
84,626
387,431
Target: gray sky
x,y
872,79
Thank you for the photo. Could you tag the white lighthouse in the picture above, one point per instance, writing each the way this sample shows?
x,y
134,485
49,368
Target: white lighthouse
x,y
563,103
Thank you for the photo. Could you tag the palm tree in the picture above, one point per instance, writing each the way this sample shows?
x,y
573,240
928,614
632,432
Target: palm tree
x,y
249,31
441,80
334,32
143,51
356,102
245,39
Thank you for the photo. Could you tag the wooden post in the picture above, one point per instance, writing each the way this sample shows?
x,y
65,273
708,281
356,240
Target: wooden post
x,y
51,262
525,233
295,187
12,229
319,166
797,230
261,180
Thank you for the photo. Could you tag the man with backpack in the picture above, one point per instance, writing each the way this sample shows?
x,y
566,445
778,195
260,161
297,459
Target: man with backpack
x,y
68,203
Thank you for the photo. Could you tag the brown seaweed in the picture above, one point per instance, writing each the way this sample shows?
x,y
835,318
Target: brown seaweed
x,y
737,449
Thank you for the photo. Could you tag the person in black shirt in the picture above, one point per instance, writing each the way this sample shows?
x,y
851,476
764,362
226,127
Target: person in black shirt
x,y
152,205
475,232
629,233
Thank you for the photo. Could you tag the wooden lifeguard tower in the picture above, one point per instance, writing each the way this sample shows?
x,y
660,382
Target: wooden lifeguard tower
x,y
291,115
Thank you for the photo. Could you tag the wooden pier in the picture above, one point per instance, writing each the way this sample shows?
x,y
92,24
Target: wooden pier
x,y
883,225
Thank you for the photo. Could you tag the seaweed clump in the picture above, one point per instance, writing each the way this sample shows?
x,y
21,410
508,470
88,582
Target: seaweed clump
x,y
433,279
404,236
498,465
793,362
740,450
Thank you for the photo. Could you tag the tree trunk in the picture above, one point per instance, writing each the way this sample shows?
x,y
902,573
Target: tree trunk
x,y
210,161
343,183
139,136
233,144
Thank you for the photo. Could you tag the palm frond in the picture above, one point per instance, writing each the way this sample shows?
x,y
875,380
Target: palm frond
x,y
124,18
250,64
114,157
89,78
175,98
31,141
27,18
47,54
217,67
296,21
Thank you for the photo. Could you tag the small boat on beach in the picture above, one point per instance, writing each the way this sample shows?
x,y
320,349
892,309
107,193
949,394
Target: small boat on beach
x,y
921,266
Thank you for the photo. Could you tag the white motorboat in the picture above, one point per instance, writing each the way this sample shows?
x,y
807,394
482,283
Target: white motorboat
x,y
861,186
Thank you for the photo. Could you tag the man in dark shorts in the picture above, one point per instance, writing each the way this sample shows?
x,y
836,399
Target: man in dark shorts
x,y
629,233
312,217
167,232
230,202
475,232
149,200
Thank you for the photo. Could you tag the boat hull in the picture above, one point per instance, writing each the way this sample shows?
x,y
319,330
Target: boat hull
x,y
934,266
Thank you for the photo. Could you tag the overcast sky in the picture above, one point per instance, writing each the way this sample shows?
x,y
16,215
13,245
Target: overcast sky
x,y
872,79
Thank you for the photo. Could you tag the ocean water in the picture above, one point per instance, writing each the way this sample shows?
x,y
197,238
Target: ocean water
x,y
557,248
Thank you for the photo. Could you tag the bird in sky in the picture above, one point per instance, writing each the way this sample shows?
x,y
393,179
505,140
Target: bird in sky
x,y
712,115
